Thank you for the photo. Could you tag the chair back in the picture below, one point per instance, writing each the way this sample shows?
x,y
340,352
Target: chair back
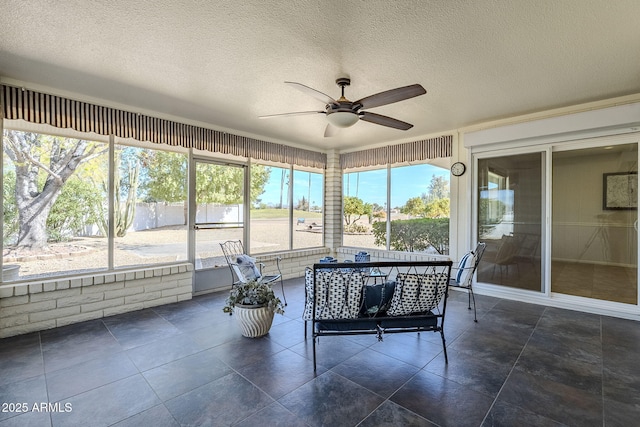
x,y
468,265
233,251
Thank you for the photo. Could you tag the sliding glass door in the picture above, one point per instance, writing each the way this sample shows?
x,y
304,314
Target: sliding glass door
x,y
594,223
510,201
588,190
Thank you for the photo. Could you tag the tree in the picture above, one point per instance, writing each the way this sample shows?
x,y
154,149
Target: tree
x,y
354,209
166,176
74,209
302,204
10,213
380,215
283,179
166,180
54,158
438,188
414,207
125,185
225,184
438,208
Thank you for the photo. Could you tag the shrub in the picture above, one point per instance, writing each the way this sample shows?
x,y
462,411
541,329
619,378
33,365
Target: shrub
x,y
356,229
414,235
73,210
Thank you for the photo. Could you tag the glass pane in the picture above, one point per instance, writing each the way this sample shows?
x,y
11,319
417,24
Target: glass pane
x,y
219,211
307,209
510,220
270,228
54,189
420,198
150,214
365,206
594,243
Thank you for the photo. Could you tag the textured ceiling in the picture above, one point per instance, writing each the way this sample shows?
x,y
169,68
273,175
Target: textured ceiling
x,y
223,63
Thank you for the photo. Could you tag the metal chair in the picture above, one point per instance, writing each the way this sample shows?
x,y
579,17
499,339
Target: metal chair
x,y
243,268
462,276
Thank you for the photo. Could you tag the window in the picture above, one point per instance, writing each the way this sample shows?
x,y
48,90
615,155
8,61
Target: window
x,y
53,192
270,210
286,209
307,209
364,206
418,215
150,206
56,205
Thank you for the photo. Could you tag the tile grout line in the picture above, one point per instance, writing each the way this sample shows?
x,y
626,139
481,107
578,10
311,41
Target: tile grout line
x,y
602,371
513,367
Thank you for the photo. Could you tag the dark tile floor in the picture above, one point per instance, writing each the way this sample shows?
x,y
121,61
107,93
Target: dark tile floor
x,y
186,364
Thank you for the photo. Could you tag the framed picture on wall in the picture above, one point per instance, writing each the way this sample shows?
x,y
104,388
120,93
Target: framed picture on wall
x,y
620,190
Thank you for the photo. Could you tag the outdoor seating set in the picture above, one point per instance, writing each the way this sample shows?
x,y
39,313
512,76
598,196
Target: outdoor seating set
x,y
340,301
345,298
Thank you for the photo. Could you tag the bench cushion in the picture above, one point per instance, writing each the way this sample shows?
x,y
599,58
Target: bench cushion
x,y
417,293
337,294
427,321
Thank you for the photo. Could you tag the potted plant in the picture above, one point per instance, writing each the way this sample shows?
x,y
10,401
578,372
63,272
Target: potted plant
x,y
254,305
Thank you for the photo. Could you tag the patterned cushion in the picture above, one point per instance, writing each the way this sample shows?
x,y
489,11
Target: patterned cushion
x,y
247,267
308,286
337,294
417,293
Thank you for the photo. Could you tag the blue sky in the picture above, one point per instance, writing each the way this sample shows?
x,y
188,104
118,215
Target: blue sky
x,y
301,187
406,182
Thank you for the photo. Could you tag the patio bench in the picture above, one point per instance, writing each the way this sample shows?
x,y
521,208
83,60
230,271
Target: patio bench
x,y
346,298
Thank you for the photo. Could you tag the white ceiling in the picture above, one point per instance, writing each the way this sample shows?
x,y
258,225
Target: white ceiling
x,y
223,63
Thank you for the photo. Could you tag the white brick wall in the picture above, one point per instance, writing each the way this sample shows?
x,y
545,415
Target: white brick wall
x,y
292,264
382,255
35,306
333,201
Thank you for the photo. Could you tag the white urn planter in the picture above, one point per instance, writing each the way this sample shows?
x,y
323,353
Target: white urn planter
x,y
254,320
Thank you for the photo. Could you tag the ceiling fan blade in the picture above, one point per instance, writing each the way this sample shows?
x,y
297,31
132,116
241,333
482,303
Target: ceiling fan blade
x,y
326,99
390,96
331,130
379,119
298,113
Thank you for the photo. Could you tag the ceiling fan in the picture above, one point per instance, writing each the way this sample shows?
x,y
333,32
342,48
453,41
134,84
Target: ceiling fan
x,y
343,113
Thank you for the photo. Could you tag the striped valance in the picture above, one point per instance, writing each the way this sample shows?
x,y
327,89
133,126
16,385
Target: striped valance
x,y
410,151
36,107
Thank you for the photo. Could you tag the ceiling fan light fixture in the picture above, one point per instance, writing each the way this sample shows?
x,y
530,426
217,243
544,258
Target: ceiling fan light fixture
x,y
342,119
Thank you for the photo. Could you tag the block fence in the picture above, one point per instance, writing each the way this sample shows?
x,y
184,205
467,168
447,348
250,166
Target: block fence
x,y
35,306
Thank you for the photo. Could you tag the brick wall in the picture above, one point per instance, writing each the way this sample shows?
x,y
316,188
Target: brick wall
x,y
34,306
292,264
377,255
333,201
